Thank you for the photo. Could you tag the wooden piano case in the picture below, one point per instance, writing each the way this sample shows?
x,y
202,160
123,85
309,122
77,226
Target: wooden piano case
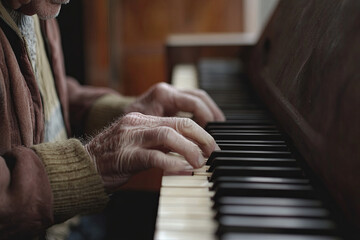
x,y
305,67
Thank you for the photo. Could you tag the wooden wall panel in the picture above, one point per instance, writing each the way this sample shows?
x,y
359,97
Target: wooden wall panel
x,y
120,33
146,25
203,16
96,33
142,70
144,22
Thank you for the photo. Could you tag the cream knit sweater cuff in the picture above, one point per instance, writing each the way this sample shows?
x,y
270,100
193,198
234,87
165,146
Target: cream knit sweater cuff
x,y
76,186
105,110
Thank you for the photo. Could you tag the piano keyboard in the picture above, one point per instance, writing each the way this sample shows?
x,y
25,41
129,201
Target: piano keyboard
x,y
253,188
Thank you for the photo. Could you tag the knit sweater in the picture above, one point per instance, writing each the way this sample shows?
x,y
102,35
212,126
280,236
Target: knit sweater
x,y
44,183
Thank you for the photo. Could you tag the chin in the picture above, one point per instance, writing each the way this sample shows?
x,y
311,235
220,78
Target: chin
x,y
48,15
45,11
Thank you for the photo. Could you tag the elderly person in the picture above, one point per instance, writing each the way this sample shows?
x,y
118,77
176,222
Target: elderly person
x,y
47,177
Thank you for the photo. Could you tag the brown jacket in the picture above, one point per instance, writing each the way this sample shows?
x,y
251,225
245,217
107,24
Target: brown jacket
x,y
41,184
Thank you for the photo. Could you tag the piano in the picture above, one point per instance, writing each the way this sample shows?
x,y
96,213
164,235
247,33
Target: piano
x,y
289,164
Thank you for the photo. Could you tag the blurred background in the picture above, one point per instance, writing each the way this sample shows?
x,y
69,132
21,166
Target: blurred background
x,y
122,43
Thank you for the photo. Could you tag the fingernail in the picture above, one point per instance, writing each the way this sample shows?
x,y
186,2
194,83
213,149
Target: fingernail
x,y
217,148
201,160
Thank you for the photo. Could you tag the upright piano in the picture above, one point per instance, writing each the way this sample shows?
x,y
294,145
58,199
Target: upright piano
x,y
289,165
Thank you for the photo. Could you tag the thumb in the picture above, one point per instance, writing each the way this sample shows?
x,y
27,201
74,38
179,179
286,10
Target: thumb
x,y
167,162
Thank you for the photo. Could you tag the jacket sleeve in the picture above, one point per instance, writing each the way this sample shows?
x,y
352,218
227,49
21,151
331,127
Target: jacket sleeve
x,y
105,110
80,100
46,184
92,108
25,195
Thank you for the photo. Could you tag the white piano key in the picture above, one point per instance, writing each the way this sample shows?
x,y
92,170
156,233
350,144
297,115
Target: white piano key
x,y
175,235
187,225
185,76
186,212
186,192
186,182
192,201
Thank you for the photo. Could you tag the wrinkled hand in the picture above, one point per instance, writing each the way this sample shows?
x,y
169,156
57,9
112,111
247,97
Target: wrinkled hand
x,y
165,100
136,142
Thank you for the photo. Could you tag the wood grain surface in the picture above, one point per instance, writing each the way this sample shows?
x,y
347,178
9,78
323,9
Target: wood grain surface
x,y
306,68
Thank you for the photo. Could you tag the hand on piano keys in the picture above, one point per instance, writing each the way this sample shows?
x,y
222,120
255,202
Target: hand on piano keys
x,y
138,142
165,100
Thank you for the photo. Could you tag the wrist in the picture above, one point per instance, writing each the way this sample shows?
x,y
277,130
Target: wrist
x,y
103,177
91,156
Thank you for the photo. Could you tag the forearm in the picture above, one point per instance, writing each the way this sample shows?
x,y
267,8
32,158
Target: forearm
x,y
105,110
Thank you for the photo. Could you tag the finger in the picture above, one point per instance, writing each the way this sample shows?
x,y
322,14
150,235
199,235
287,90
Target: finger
x,y
188,171
189,103
218,114
169,138
188,128
168,162
197,134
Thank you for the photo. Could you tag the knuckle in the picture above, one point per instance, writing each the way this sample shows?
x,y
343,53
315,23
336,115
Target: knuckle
x,y
198,104
202,92
164,133
185,123
193,149
162,85
209,144
133,118
160,88
155,159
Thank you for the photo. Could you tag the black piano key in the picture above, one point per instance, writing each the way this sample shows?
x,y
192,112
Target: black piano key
x,y
247,136
248,154
243,108
227,126
275,225
237,118
274,180
262,142
246,116
267,201
274,236
243,131
233,120
272,211
264,190
253,147
290,172
239,161
251,115
253,179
